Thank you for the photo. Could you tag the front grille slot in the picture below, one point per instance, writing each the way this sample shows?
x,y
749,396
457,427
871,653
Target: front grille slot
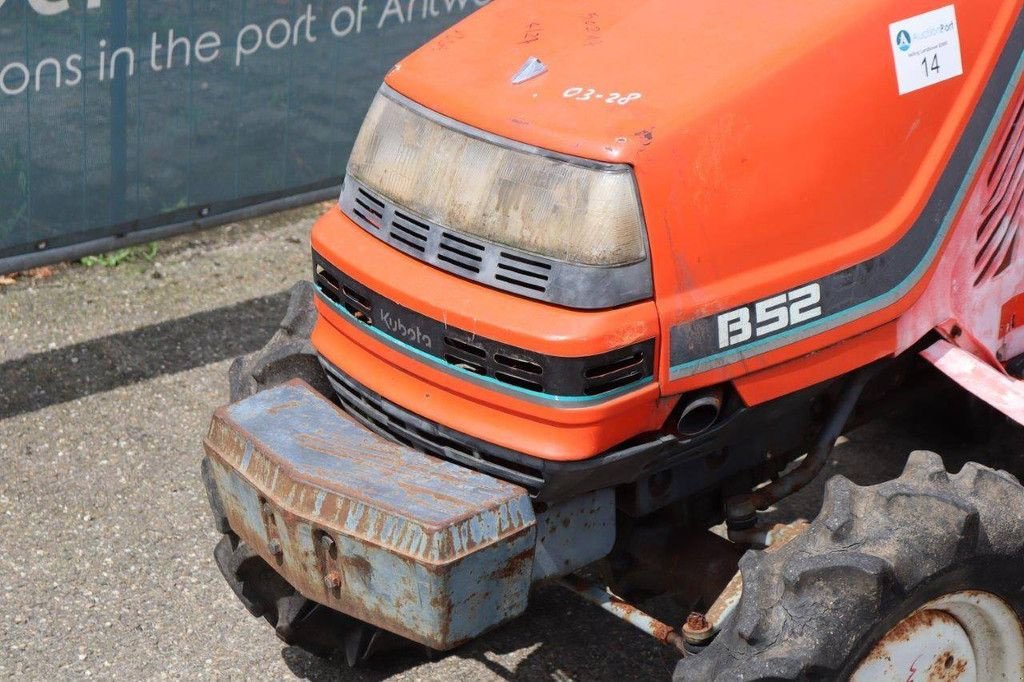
x,y
617,366
615,372
611,385
358,305
527,273
465,363
523,272
522,365
519,381
366,207
410,232
369,198
520,283
462,253
465,347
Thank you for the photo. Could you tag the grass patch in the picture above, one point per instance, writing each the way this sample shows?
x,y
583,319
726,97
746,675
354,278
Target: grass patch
x,y
129,254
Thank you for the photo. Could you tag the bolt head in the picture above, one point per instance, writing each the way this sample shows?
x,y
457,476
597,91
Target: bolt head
x,y
274,547
332,580
697,629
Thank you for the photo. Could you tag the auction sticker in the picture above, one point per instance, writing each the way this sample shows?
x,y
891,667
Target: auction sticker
x,y
926,49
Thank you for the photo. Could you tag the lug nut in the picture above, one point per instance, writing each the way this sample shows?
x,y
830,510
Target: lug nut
x,y
697,629
332,580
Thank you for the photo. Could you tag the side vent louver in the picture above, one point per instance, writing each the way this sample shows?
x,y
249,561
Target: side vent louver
x,y
999,236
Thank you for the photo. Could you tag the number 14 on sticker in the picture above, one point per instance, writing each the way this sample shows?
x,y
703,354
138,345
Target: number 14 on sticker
x,y
926,49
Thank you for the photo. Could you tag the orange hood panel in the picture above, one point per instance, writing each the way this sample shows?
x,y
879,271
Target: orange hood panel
x,y
629,67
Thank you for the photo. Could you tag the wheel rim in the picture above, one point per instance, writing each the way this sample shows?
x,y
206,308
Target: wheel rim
x,y
966,636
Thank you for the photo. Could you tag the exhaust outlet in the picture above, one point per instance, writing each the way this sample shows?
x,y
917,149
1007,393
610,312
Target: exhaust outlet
x,y
700,413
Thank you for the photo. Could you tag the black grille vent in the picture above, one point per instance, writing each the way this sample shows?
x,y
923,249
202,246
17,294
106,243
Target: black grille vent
x,y
385,418
620,371
1000,232
556,376
461,252
409,231
369,208
523,272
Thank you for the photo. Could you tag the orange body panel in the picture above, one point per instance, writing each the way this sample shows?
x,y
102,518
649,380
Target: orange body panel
x,y
771,148
814,368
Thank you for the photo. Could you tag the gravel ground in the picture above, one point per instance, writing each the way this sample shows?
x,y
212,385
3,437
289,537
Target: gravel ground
x,y
107,381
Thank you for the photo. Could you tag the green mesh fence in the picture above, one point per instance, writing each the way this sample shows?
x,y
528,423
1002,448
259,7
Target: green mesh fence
x,y
118,117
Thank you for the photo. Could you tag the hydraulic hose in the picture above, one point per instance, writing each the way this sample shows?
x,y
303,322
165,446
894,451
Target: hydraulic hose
x,y
741,510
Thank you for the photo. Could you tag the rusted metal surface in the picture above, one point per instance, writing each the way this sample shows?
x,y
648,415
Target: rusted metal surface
x,y
426,549
899,659
996,388
573,534
620,609
726,602
697,630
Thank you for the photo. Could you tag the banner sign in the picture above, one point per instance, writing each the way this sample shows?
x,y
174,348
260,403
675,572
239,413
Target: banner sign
x,y
119,117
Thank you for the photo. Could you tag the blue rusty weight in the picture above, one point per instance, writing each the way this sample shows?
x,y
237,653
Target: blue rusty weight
x,y
424,548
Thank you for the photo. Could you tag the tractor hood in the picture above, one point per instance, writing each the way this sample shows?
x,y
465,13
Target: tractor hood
x,y
777,145
615,73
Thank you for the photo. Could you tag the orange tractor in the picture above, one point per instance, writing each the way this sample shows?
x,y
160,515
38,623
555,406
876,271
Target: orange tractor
x,y
604,275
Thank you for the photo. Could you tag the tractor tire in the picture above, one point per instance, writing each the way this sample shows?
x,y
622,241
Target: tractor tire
x,y
288,355
863,580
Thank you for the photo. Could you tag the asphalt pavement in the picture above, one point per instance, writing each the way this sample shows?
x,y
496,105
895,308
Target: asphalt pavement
x,y
108,377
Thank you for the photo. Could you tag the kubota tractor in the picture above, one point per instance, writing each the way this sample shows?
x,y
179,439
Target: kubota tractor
x,y
605,274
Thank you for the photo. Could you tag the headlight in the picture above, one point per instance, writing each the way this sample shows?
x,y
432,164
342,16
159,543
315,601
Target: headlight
x,y
579,212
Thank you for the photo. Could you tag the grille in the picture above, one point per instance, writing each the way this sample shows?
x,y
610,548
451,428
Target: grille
x,y
580,377
389,420
495,265
1000,230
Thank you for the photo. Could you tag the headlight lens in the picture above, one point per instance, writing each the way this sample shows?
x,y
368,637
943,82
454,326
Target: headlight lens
x,y
577,212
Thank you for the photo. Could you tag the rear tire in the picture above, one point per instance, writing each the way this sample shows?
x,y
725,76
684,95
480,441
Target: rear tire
x,y
817,607
288,355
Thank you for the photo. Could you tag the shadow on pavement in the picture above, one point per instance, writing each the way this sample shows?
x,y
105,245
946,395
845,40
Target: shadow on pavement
x,y
560,637
82,369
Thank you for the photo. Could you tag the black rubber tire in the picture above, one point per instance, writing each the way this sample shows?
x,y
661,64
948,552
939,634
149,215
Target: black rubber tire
x,y
813,609
288,355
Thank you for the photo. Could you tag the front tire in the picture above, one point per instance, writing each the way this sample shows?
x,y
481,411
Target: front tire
x,y
288,355
875,559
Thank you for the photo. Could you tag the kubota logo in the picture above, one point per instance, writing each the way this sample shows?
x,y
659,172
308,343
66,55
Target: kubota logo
x,y
408,332
48,8
903,40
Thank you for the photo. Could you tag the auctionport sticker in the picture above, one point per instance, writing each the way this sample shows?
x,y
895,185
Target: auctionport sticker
x,y
926,49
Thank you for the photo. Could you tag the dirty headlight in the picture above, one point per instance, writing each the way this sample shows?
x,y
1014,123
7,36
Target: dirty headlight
x,y
580,212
